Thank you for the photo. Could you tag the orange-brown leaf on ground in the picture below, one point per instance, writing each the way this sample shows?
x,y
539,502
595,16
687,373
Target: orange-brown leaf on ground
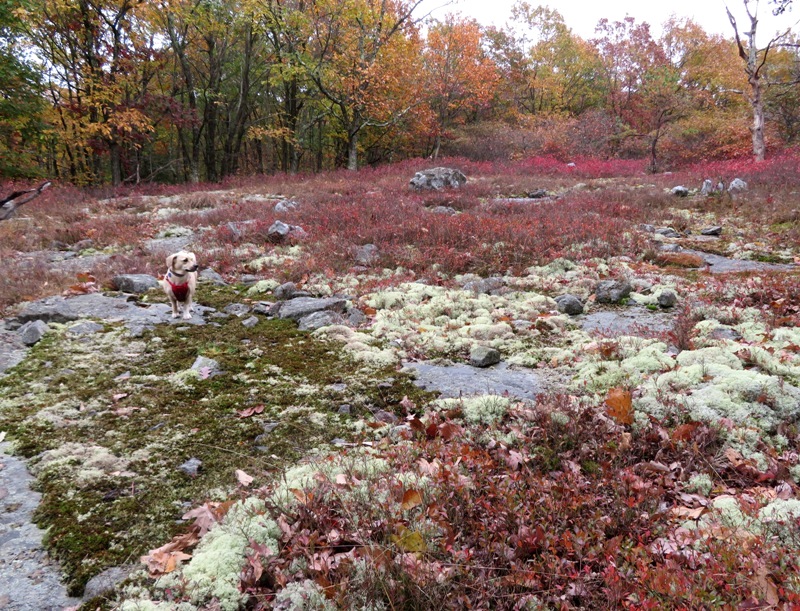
x,y
619,405
205,518
684,432
300,495
411,499
166,558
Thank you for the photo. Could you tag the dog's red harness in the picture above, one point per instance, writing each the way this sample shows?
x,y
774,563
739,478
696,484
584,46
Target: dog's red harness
x,y
181,291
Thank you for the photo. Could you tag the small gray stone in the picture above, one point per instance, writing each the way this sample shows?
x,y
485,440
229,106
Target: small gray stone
x,y
320,319
647,228
484,285
447,210
191,467
668,232
106,581
236,309
483,356
366,255
286,290
356,317
737,186
344,410
286,205
32,332
715,230
211,276
387,417
134,283
267,308
206,365
248,279
569,304
680,191
278,231
270,426
612,291
708,188
726,333
250,322
86,328
537,194
667,298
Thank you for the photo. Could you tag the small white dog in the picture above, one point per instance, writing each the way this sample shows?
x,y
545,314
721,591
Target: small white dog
x,y
180,282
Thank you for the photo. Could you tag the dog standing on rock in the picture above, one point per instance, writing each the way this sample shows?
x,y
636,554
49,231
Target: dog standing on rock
x,y
180,282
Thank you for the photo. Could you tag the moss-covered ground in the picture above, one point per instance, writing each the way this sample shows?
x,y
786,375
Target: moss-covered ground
x,y
113,417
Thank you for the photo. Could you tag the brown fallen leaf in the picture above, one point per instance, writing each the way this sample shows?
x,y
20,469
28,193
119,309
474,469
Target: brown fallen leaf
x,y
619,405
411,499
247,412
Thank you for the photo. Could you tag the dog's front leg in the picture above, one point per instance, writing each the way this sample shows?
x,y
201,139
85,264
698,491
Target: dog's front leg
x,y
174,303
187,308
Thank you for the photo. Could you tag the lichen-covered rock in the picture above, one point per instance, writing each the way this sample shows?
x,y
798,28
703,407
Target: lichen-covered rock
x,y
569,304
612,291
438,178
206,367
680,191
737,185
285,290
278,231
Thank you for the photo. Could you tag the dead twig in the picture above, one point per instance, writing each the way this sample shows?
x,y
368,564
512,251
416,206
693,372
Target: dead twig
x,y
9,205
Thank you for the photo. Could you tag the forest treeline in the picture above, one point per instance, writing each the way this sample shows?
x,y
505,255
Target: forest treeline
x,y
115,91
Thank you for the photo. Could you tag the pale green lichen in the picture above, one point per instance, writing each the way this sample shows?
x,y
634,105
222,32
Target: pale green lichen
x,y
483,409
700,483
303,596
86,464
262,286
213,572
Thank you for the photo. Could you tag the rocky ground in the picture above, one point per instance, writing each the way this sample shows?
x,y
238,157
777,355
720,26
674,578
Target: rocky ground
x,y
130,420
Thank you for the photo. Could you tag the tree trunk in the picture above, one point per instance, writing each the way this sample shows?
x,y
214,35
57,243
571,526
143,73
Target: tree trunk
x,y
759,143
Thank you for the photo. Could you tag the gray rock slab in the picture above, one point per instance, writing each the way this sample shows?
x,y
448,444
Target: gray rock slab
x,y
29,578
12,350
612,291
169,245
301,307
630,321
725,265
465,380
320,319
86,327
108,308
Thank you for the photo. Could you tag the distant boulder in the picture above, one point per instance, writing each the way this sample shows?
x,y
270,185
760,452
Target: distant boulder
x,y
437,179
737,186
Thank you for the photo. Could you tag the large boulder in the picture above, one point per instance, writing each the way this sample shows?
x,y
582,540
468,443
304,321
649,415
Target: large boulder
x,y
134,283
438,178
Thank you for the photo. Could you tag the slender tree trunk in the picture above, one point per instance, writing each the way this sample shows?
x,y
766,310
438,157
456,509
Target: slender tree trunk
x,y
757,101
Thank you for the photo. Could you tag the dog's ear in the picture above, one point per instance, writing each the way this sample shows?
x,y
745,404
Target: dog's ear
x,y
171,260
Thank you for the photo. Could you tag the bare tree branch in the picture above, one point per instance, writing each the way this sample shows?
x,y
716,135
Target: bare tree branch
x,y
9,205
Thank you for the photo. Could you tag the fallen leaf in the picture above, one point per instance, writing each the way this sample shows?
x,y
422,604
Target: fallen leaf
x,y
243,479
410,541
619,405
300,495
411,499
767,586
119,396
205,372
204,516
249,411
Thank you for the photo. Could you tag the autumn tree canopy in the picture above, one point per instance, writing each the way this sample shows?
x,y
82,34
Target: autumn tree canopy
x,y
122,91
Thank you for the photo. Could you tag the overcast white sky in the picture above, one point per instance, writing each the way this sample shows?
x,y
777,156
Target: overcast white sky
x,y
582,15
